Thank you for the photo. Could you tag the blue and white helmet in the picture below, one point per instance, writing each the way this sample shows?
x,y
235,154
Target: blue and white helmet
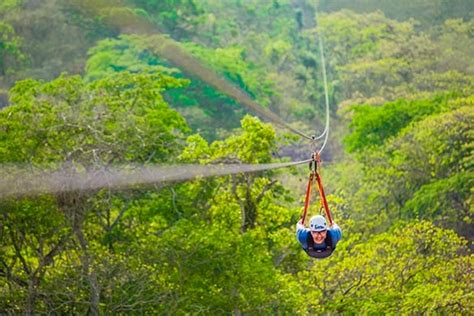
x,y
318,223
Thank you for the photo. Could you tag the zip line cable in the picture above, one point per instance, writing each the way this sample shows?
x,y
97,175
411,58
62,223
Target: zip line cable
x,y
316,158
22,182
19,182
174,53
326,93
129,23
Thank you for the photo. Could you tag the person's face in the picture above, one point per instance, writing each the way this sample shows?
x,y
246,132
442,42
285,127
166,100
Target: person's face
x,y
318,237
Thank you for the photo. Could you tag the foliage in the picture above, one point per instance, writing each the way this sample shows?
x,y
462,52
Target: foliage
x,y
378,60
402,192
230,62
10,49
416,170
447,200
135,54
410,270
429,12
128,53
372,126
164,13
69,120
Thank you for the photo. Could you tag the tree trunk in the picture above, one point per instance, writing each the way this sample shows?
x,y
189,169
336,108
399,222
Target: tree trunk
x,y
86,260
31,299
73,205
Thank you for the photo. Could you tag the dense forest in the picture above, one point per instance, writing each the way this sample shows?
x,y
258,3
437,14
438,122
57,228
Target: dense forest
x,y
91,83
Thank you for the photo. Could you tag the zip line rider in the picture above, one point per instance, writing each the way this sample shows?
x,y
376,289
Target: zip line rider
x,y
319,240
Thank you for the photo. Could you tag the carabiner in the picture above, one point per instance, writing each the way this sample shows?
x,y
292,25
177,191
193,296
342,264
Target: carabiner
x,y
313,164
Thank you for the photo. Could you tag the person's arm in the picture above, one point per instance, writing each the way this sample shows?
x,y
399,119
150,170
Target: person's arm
x,y
336,234
301,234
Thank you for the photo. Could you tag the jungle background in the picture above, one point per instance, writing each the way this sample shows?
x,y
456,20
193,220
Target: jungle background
x,y
84,83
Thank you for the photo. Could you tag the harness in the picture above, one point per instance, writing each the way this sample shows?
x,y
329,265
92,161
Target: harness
x,y
315,177
319,253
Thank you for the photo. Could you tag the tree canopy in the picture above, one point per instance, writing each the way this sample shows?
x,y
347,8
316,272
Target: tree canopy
x,y
90,85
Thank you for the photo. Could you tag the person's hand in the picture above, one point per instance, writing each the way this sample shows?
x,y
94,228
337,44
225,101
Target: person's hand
x,y
299,224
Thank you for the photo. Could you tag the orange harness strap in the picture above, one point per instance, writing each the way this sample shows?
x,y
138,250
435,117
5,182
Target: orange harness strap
x,y
307,198
323,199
314,175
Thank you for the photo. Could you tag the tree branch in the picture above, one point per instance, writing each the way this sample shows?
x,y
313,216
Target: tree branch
x,y
264,190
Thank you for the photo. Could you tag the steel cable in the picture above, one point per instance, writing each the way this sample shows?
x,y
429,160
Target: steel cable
x,y
18,182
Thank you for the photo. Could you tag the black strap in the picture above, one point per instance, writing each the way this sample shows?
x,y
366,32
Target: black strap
x,y
315,253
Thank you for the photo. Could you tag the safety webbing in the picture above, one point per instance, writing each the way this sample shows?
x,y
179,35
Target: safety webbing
x,y
324,202
314,175
307,198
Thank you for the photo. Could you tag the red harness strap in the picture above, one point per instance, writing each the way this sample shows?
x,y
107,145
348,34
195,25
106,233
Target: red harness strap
x,y
307,198
323,199
312,176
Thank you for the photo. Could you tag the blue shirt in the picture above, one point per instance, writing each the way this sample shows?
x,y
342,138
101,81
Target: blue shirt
x,y
302,234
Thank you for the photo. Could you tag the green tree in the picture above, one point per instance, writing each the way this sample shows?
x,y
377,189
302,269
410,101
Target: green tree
x,y
409,269
116,120
253,145
430,157
373,126
375,59
70,120
427,11
10,49
205,108
181,22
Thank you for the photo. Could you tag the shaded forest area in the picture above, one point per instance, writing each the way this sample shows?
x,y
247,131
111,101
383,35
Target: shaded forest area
x,y
86,84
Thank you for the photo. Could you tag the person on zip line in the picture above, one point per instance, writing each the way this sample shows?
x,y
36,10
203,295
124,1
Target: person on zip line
x,y
319,240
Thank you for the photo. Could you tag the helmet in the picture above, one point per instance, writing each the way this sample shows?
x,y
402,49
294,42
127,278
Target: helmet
x,y
318,223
